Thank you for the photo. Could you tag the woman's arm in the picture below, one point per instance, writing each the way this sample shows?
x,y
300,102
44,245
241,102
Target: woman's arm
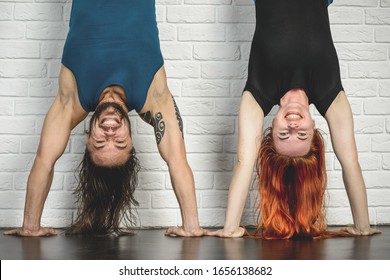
x,y
340,120
62,117
250,128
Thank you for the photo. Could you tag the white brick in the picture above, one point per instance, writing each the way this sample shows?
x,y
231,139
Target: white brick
x,y
382,34
204,33
360,88
145,144
17,125
9,145
212,217
56,218
17,49
208,2
203,144
42,12
12,200
52,49
216,52
25,69
378,197
382,215
224,70
373,70
203,180
346,16
336,198
158,218
388,124
385,3
61,200
205,88
211,125
182,69
377,179
366,125
227,106
238,14
240,32
175,51
377,16
356,3
46,31
386,162
377,107
36,106
151,181
338,216
11,218
6,107
215,199
12,30
230,144
381,143
195,106
361,52
144,199
351,34
5,11
68,163
161,200
70,181
222,180
384,88
6,182
152,162
210,162
193,14
13,87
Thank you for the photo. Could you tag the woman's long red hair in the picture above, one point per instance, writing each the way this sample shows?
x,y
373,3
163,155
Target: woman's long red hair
x,y
291,192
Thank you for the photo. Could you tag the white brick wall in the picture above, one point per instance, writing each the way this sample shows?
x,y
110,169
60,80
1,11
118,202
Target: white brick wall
x,y
206,45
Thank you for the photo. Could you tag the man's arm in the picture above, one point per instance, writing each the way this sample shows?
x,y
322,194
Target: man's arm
x,y
250,127
161,112
340,121
64,114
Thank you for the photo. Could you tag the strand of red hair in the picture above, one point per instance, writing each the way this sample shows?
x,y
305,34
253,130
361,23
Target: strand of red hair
x,y
291,192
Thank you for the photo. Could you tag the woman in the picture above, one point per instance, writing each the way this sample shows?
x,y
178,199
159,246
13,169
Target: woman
x,y
293,63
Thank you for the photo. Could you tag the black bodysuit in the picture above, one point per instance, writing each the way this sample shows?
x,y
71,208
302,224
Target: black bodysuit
x,y
293,48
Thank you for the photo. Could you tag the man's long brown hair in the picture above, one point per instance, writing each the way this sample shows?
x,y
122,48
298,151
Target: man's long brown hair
x,y
106,197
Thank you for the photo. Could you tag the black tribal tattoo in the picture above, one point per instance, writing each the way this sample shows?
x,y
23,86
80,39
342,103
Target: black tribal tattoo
x,y
157,122
178,116
159,127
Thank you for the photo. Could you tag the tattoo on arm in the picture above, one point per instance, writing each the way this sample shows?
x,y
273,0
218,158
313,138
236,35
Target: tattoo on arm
x,y
159,127
157,122
178,116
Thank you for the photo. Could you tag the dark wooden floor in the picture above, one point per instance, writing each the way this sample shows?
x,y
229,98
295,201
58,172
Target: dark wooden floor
x,y
153,245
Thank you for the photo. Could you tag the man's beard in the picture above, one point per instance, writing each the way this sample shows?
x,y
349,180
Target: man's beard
x,y
104,106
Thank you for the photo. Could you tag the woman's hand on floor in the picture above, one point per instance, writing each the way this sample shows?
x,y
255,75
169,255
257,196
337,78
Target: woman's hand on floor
x,y
239,232
353,230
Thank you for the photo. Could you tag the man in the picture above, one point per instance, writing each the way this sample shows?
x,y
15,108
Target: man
x,y
111,64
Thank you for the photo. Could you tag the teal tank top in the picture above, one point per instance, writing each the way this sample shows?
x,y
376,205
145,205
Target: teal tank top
x,y
113,42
